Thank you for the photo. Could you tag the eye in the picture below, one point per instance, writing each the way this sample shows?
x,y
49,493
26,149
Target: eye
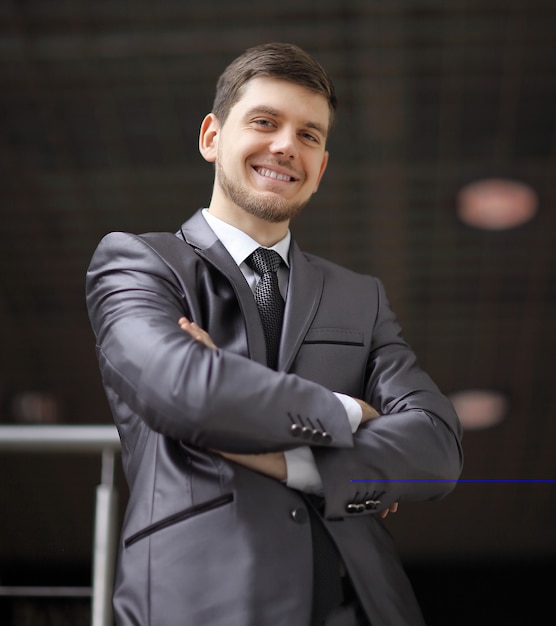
x,y
310,137
262,122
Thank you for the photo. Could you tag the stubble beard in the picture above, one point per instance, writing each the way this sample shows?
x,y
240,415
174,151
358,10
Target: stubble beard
x,y
269,208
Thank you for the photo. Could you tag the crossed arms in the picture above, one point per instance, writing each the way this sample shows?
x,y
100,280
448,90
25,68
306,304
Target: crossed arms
x,y
272,464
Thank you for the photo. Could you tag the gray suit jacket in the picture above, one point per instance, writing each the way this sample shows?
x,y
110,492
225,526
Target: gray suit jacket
x,y
206,542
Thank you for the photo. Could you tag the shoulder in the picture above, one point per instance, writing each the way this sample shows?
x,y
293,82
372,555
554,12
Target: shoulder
x,y
143,252
170,245
120,242
116,239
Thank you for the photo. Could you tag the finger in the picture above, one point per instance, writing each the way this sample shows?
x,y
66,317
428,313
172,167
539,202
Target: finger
x,y
184,323
196,332
210,343
188,327
391,509
202,335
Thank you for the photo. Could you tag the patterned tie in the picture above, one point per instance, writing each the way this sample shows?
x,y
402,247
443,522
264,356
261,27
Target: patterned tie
x,y
268,298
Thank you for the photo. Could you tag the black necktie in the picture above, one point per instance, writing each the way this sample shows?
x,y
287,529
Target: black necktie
x,y
268,298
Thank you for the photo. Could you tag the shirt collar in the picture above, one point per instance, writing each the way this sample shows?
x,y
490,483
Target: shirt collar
x,y
239,244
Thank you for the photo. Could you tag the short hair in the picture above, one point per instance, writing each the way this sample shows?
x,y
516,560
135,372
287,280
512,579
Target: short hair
x,y
277,60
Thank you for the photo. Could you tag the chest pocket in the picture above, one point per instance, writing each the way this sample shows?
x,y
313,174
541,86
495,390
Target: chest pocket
x,y
334,358
343,336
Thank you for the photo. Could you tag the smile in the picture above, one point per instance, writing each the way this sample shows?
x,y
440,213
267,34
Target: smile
x,y
266,173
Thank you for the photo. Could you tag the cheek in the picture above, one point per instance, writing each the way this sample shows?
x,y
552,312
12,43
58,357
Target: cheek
x,y
322,162
315,172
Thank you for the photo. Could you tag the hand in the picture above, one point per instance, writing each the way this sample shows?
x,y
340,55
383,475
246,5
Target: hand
x,y
369,412
196,332
391,509
271,464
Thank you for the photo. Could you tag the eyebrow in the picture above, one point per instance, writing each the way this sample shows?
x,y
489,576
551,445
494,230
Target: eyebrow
x,y
268,110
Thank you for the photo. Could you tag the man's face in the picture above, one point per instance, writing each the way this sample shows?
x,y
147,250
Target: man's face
x,y
270,153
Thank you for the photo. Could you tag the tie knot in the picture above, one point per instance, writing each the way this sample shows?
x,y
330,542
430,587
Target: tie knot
x,y
264,260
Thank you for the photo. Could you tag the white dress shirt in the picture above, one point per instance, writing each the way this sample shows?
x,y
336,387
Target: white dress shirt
x,y
300,463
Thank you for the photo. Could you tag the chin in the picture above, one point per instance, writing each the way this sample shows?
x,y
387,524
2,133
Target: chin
x,y
274,209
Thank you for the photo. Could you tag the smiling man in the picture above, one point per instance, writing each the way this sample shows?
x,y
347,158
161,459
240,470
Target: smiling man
x,y
269,153
251,382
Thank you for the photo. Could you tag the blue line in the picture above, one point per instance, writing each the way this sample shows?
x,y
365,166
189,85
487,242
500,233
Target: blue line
x,y
478,480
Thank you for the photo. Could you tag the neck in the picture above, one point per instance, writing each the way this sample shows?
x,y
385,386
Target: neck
x,y
262,231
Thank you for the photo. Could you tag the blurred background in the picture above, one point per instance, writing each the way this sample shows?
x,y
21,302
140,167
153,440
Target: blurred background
x,y
440,181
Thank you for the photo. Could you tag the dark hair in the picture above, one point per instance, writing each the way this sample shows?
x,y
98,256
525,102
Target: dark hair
x,y
278,60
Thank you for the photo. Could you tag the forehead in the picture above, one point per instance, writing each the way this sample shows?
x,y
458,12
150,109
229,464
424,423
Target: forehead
x,y
284,97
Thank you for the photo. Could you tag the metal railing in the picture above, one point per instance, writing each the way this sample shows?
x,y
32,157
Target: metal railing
x,y
79,439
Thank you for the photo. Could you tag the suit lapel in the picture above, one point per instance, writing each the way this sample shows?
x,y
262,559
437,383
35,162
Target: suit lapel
x,y
198,234
304,293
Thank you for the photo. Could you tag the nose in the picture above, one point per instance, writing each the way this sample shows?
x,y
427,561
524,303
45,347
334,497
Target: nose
x,y
284,143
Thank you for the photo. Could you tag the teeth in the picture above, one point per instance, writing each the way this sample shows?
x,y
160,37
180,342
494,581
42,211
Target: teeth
x,y
272,174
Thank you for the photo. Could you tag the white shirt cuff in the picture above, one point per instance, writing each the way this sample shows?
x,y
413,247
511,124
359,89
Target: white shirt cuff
x,y
353,410
302,470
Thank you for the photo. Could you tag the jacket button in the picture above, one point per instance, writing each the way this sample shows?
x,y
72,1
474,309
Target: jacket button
x,y
300,515
306,432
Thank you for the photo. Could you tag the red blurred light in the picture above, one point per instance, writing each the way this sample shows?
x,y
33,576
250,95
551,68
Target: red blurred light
x,y
479,408
496,204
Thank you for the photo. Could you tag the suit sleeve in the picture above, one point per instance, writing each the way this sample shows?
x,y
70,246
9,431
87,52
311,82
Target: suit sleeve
x,y
413,451
177,386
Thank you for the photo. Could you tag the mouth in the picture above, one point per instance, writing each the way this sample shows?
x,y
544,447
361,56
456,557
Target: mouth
x,y
274,175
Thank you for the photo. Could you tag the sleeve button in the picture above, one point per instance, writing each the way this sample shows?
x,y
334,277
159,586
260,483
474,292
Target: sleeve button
x,y
317,435
326,437
295,430
299,515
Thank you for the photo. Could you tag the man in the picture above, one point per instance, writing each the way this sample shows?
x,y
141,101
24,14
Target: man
x,y
240,448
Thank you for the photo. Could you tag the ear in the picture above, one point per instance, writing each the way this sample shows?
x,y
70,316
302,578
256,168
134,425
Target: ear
x,y
322,169
208,137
